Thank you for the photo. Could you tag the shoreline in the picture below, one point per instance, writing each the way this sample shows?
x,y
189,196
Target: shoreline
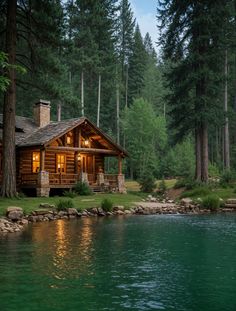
x,y
16,221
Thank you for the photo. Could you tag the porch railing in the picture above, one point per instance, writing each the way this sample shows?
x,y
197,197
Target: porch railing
x,y
62,179
29,179
111,179
66,179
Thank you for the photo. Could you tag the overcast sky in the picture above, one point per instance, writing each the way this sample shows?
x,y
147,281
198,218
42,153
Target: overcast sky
x,y
145,14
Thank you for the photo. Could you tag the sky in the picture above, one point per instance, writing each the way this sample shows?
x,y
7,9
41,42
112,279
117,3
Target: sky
x,y
145,14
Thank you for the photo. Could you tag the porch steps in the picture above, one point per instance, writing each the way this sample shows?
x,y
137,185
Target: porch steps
x,y
230,203
96,188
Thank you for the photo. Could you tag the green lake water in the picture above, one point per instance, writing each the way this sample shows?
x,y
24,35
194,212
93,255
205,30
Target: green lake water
x,y
121,263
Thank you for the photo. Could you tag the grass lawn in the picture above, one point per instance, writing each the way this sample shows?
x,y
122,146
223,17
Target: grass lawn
x,y
133,185
82,202
201,192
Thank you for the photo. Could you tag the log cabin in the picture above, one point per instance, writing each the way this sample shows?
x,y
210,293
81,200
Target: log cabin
x,y
56,155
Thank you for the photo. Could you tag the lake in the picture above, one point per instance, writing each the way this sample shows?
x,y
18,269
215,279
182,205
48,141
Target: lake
x,y
121,263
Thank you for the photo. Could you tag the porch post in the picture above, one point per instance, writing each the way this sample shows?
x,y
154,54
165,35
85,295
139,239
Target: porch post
x,y
120,177
43,188
119,165
42,160
76,161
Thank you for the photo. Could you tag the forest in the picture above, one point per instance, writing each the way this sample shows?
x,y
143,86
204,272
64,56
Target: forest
x,y
170,101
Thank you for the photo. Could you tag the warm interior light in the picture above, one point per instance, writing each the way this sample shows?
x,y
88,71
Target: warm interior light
x,y
86,142
68,140
79,157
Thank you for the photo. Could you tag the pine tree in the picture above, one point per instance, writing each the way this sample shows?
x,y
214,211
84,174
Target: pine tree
x,y
9,155
191,38
137,67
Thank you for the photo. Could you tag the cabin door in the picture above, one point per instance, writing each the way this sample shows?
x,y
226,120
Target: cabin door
x,y
88,166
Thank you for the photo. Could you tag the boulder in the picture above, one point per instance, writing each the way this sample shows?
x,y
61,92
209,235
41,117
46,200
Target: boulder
x,y
186,201
41,212
118,208
46,205
14,213
72,211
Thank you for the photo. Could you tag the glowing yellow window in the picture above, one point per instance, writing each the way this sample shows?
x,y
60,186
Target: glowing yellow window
x,y
35,162
61,163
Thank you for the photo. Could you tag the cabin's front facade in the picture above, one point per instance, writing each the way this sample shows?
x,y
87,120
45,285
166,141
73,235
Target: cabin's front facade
x,y
53,155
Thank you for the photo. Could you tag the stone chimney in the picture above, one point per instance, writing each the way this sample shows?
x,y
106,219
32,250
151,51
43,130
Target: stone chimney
x,y
42,113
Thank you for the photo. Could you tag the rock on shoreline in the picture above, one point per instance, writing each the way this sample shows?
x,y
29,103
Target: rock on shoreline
x,y
15,219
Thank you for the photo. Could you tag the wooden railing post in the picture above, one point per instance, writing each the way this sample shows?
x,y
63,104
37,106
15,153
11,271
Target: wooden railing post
x,y
119,165
42,160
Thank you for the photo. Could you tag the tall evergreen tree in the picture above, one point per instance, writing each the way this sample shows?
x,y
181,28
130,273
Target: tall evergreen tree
x,y
191,39
137,66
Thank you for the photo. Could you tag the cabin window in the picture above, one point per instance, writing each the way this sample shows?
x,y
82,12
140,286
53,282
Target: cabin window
x,y
35,162
61,163
69,139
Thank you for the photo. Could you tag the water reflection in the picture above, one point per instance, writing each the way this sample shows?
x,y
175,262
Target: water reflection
x,y
68,251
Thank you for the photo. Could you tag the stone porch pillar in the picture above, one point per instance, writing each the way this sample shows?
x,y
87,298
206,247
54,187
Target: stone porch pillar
x,y
43,188
100,179
120,177
84,177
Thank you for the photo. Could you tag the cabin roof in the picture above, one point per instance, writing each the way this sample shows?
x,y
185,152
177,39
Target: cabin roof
x,y
28,134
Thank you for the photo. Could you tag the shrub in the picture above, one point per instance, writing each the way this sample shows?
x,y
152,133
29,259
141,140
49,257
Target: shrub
x,y
63,205
211,202
227,177
197,192
187,183
213,171
106,205
147,183
70,194
162,186
82,188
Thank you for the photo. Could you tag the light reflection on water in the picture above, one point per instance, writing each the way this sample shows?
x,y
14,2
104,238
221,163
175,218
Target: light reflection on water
x,y
133,263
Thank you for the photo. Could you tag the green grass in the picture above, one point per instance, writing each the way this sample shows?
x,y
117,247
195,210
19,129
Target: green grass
x,y
81,202
202,192
134,186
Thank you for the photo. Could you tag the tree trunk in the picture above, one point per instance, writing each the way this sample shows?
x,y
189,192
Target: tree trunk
x,y
82,93
9,156
99,100
204,153
198,155
118,112
226,126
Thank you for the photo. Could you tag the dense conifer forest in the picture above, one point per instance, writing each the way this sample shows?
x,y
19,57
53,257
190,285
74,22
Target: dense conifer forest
x,y
174,111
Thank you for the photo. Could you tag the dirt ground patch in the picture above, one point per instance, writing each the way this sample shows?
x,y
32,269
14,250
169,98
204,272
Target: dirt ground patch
x,y
173,194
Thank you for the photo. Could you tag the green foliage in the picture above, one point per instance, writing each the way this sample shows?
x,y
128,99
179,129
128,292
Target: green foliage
x,y
106,205
82,188
146,138
188,183
147,182
211,202
213,171
70,194
4,82
162,186
63,204
197,192
227,177
179,161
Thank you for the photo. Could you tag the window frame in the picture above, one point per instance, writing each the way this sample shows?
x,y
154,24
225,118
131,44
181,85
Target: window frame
x,y
59,155
33,170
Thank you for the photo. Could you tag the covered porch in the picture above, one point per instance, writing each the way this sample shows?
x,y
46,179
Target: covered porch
x,y
62,167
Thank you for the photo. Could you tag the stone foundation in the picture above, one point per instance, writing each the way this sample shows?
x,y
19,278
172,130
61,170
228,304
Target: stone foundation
x,y
121,183
84,177
43,188
42,192
100,179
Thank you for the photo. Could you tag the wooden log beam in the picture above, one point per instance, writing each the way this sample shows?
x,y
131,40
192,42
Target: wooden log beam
x,y
82,150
